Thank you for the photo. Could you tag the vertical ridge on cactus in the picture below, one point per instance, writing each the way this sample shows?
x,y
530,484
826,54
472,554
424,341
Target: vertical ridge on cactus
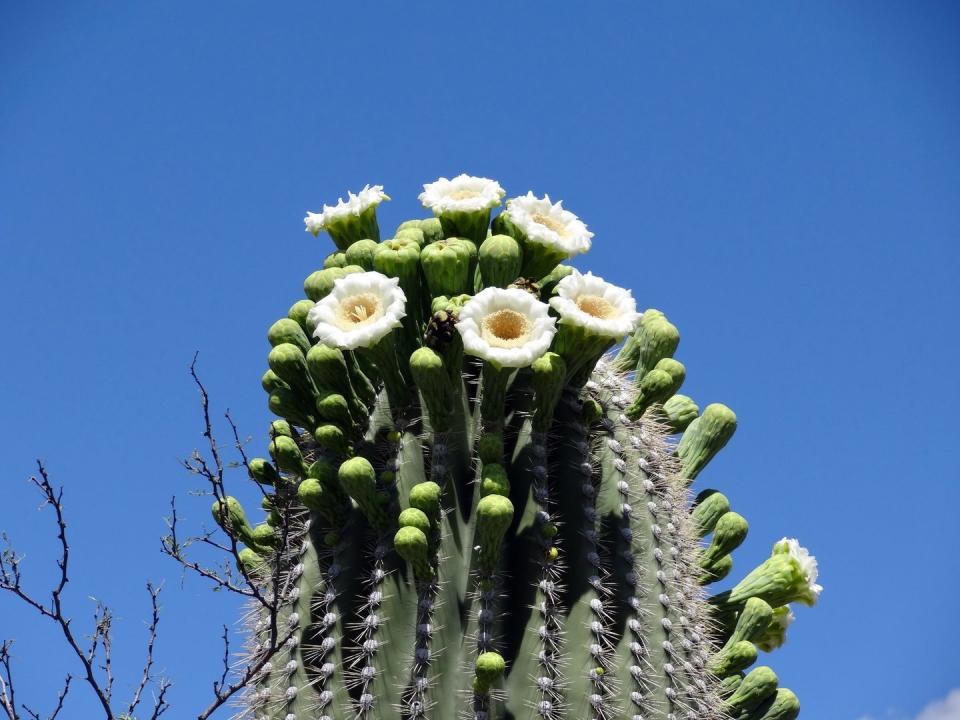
x,y
488,517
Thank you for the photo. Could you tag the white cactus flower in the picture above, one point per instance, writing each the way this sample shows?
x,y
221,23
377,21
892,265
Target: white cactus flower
x,y
508,327
806,563
463,193
590,302
360,310
549,224
354,205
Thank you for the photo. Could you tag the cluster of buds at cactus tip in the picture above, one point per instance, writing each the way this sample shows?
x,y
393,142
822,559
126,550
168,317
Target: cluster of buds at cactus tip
x,y
489,514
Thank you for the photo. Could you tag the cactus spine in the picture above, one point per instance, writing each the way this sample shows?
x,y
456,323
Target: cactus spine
x,y
488,519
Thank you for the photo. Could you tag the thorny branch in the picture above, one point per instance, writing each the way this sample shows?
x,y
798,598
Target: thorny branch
x,y
240,581
97,655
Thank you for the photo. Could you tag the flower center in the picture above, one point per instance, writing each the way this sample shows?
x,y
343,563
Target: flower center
x,y
358,309
464,194
596,306
548,222
505,328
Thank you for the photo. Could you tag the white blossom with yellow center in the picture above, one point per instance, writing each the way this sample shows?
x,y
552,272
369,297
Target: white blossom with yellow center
x,y
590,302
360,310
549,224
463,193
508,327
355,204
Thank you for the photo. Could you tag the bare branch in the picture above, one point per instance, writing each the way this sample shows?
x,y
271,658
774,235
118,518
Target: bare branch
x,y
225,578
146,677
98,653
7,700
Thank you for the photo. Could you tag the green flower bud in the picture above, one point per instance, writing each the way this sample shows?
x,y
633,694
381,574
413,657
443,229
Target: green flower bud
x,y
757,686
298,313
494,515
228,514
718,571
324,471
412,233
332,438
317,497
783,705
500,259
334,408
271,381
708,507
415,229
361,253
432,230
704,438
446,265
286,330
412,517
752,622
490,448
286,455
728,534
489,669
286,404
263,472
328,368
548,283
250,562
280,427
657,338
335,259
656,386
425,496
400,258
674,369
359,480
733,658
679,411
319,284
433,381
289,363
547,376
411,544
494,481
263,536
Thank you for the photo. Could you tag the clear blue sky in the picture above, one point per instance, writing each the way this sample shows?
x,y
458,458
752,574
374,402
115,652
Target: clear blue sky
x,y
782,179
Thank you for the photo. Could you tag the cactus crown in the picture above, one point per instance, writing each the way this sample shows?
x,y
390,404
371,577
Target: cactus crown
x,y
486,515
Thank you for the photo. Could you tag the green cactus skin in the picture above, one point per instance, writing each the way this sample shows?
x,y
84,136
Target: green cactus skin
x,y
469,541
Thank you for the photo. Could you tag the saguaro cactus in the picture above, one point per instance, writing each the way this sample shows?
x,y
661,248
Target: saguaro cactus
x,y
486,515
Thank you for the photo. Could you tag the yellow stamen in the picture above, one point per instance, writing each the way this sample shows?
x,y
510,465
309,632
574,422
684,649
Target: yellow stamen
x,y
558,227
358,309
505,329
596,306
